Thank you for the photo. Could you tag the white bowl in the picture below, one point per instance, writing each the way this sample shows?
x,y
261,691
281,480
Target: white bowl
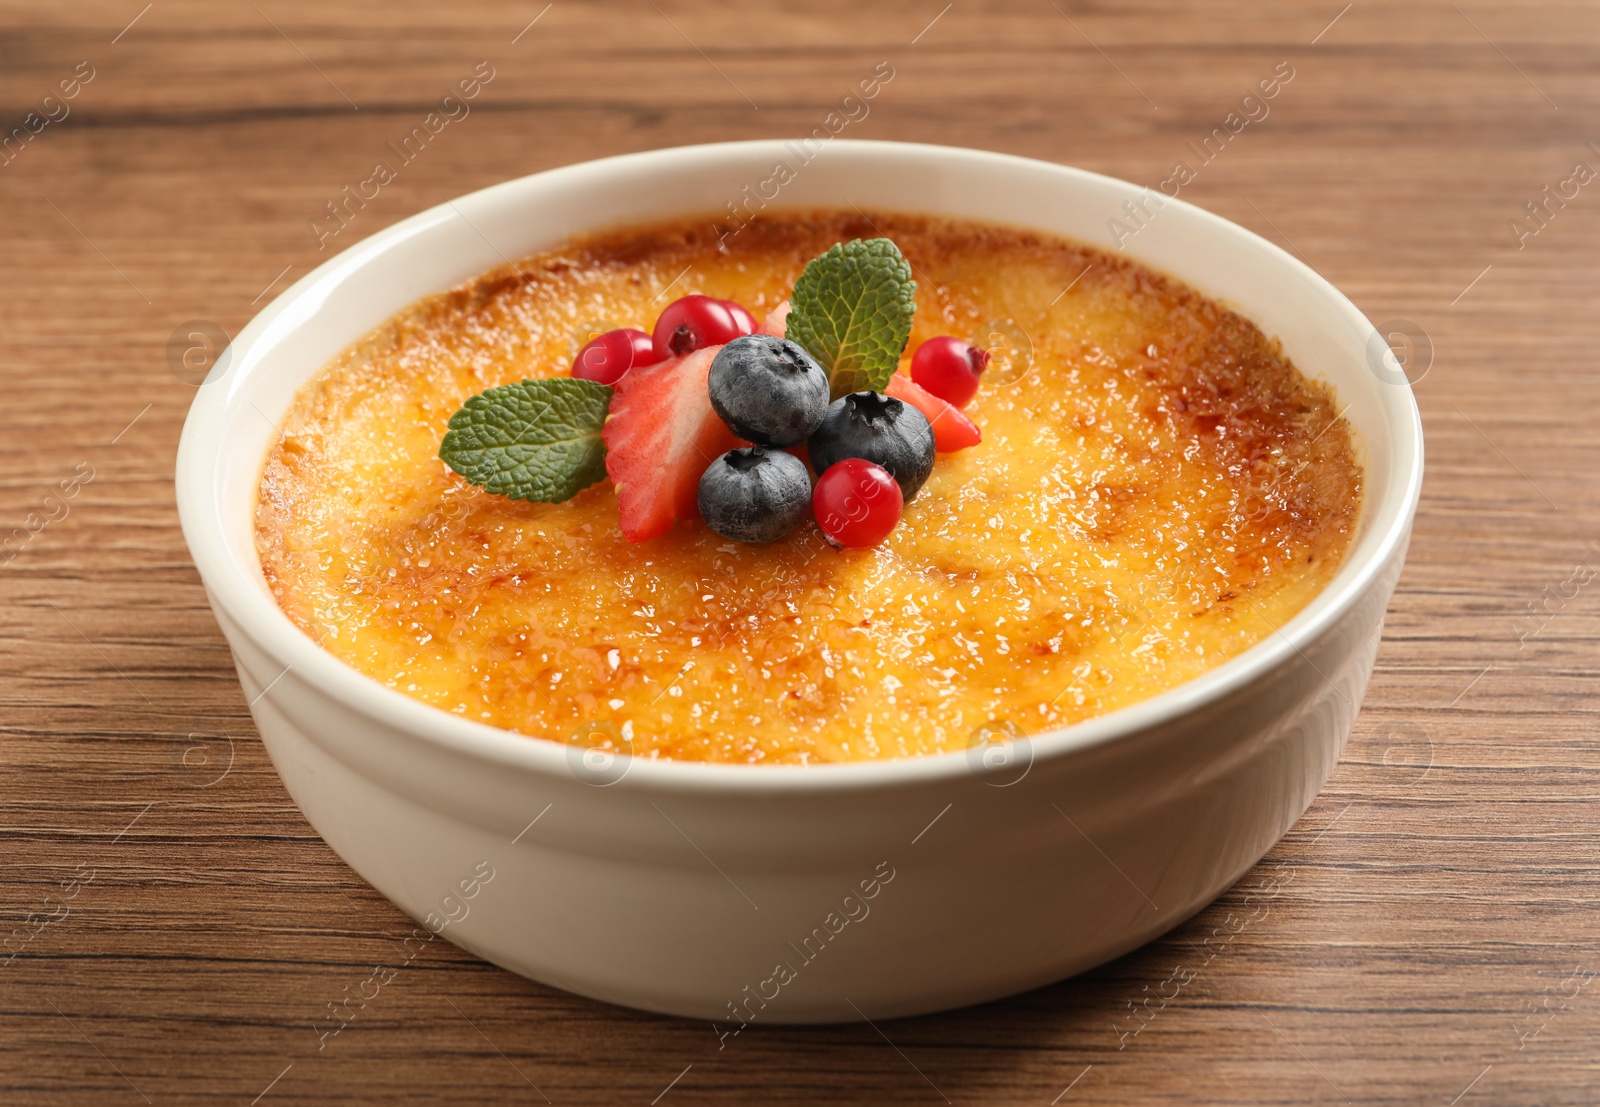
x,y
806,894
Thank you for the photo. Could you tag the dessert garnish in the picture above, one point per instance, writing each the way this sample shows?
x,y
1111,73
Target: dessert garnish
x,y
879,429
754,494
662,435
949,368
692,323
768,389
856,503
952,430
852,309
605,357
697,419
532,440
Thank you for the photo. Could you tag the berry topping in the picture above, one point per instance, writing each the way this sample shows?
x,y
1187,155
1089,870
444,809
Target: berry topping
x,y
754,494
608,356
856,503
694,322
949,369
951,430
741,316
880,429
653,411
768,390
660,437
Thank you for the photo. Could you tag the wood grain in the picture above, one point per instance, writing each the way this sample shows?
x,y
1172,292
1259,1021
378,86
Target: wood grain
x,y
1433,906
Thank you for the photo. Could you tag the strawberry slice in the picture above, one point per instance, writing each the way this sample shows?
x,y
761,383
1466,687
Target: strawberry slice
x,y
776,321
661,435
951,430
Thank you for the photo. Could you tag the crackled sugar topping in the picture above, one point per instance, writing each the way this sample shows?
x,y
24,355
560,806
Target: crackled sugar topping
x,y
1157,489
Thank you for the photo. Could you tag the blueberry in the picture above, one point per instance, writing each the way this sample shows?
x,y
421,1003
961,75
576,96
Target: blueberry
x,y
879,429
768,390
754,494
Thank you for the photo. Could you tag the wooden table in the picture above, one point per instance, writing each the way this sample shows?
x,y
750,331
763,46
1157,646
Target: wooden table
x,y
1436,932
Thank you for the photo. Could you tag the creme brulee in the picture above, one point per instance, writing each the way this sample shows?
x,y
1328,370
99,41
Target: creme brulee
x,y
1157,489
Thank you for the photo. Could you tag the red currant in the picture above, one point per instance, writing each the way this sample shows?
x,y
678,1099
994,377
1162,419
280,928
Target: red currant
x,y
746,321
856,502
949,368
606,357
694,322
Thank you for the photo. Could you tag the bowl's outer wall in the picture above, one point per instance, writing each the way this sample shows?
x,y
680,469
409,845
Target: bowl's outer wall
x,y
672,897
677,907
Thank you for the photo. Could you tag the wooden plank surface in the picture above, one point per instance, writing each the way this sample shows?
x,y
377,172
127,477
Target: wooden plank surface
x,y
1436,930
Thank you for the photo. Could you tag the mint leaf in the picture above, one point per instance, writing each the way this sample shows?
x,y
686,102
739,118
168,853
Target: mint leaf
x,y
533,440
851,310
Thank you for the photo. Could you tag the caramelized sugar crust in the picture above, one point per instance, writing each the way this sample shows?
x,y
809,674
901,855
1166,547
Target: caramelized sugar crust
x,y
1158,488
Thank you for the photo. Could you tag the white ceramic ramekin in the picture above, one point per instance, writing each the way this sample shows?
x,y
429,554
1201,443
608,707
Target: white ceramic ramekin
x,y
812,894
